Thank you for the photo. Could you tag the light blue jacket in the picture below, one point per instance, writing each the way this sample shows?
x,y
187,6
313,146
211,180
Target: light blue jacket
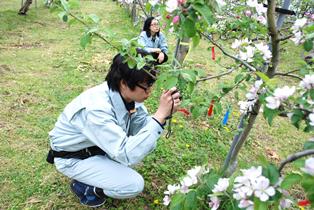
x,y
148,43
98,117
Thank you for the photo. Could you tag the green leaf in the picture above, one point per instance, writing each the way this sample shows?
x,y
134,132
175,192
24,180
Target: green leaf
x,y
272,173
259,205
188,27
263,76
148,7
297,117
308,45
309,145
170,82
63,16
94,18
85,40
312,94
195,40
65,5
269,114
190,201
205,11
290,180
177,202
74,4
239,77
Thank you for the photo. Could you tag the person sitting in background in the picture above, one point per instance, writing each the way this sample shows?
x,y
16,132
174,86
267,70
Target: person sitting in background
x,y
153,41
107,129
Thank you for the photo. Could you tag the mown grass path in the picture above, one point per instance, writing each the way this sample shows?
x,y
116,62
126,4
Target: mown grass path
x,y
42,68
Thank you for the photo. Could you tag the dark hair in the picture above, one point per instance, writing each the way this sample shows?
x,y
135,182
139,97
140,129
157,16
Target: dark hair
x,y
119,70
146,26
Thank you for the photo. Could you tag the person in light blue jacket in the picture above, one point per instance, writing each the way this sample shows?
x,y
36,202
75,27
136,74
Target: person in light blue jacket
x,y
153,40
105,130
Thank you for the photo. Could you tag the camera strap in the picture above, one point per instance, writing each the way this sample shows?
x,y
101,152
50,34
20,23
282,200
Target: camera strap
x,y
169,130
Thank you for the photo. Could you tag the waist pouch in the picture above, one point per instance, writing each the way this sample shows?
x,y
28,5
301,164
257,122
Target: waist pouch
x,y
81,154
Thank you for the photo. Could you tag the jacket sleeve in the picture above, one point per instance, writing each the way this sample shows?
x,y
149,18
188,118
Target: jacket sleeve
x,y
143,41
103,130
163,43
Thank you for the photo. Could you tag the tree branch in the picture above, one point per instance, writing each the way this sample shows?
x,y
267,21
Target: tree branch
x,y
294,157
227,54
285,38
288,75
216,76
141,5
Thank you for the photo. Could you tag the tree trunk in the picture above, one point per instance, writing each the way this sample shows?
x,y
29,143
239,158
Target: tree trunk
x,y
25,7
181,51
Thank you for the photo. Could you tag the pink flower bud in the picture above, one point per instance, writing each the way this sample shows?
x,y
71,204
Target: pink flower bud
x,y
312,17
180,2
248,13
176,19
307,14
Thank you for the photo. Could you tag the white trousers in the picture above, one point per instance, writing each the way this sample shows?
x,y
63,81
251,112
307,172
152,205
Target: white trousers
x,y
117,181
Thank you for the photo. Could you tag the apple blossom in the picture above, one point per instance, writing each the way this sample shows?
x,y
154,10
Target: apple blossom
x,y
153,2
171,189
221,3
248,55
252,3
298,24
129,1
280,94
171,5
308,82
297,39
285,203
261,19
260,9
264,48
248,204
221,185
214,203
272,102
311,118
262,190
309,166
166,200
248,13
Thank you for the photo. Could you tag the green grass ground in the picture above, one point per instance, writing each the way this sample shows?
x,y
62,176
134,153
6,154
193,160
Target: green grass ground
x,y
42,68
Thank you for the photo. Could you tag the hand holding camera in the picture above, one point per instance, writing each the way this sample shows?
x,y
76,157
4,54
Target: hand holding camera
x,y
168,104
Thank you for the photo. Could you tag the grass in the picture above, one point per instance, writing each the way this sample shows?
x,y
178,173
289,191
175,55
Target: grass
x,y
42,68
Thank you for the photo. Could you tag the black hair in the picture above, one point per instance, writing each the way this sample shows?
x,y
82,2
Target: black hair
x,y
119,70
146,26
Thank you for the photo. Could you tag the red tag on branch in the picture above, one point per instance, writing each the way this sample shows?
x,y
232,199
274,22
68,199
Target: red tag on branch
x,y
210,108
213,53
304,203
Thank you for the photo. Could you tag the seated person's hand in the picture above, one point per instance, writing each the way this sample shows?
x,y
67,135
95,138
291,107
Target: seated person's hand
x,y
156,50
161,57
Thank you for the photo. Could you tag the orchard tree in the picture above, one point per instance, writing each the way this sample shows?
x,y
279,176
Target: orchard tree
x,y
256,32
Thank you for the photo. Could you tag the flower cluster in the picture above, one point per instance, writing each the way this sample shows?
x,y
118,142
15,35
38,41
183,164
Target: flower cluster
x,y
251,96
252,183
279,95
296,30
260,9
247,50
221,186
190,179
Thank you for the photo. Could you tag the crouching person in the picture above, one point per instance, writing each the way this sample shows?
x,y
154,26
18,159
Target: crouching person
x,y
106,130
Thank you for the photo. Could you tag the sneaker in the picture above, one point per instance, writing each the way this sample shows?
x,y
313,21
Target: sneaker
x,y
87,194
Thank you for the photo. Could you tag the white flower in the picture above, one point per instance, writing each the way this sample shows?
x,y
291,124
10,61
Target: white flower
x,y
308,82
272,102
129,1
309,166
265,50
184,189
285,203
221,185
297,39
252,3
236,44
171,5
284,93
188,181
248,55
153,2
215,202
311,118
195,172
262,188
244,203
299,23
261,19
253,172
221,3
166,200
260,9
171,189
